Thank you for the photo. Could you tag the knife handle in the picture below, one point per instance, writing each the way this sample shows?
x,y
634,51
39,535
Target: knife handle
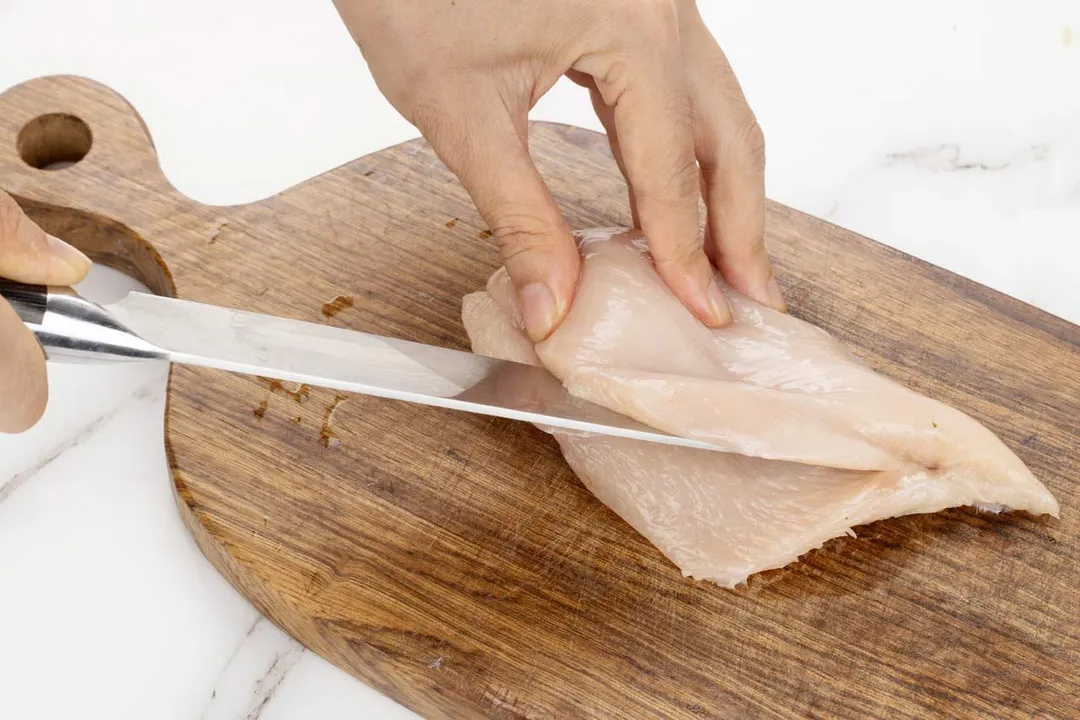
x,y
71,328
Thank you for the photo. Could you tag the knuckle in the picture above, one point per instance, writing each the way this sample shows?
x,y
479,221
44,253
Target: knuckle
x,y
680,109
666,170
676,184
671,194
614,77
519,234
750,139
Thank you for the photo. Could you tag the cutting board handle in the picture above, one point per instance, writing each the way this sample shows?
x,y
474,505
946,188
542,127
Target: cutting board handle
x,y
70,128
60,135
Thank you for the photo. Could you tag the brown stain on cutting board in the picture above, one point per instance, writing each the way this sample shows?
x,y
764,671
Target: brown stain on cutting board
x,y
216,232
339,303
327,436
431,534
300,394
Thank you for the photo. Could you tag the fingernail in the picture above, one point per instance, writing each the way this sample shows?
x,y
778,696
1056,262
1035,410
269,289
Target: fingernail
x,y
718,304
539,310
68,254
776,298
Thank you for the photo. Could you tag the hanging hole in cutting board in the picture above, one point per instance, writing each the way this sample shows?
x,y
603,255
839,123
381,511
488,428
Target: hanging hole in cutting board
x,y
54,141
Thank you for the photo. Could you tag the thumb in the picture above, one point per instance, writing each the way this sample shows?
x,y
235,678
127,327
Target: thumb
x,y
24,389
28,254
490,156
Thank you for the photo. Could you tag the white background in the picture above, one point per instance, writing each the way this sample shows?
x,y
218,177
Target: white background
x,y
948,129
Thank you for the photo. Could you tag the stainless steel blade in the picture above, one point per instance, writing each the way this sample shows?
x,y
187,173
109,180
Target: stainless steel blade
x,y
250,343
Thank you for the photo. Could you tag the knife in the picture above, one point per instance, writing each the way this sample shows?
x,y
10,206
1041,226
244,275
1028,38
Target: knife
x,y
145,327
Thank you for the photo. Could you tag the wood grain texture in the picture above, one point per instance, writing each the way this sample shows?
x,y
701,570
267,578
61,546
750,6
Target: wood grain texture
x,y
455,563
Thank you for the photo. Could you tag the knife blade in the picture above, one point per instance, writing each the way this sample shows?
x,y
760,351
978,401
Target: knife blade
x,y
144,327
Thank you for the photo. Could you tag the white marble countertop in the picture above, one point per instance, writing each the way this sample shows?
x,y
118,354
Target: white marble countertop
x,y
949,129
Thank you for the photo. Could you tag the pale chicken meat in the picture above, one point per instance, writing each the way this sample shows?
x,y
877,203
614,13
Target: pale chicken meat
x,y
814,442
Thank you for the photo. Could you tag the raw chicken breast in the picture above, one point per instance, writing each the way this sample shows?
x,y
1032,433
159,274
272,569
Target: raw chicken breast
x,y
815,442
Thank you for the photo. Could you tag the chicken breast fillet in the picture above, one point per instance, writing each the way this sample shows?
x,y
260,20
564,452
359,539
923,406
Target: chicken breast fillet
x,y
815,441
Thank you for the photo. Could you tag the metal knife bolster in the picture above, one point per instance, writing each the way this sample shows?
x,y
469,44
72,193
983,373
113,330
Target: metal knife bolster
x,y
73,329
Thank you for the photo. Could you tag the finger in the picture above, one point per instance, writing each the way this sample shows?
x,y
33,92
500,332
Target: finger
x,y
607,118
23,382
710,246
28,254
485,146
652,114
731,153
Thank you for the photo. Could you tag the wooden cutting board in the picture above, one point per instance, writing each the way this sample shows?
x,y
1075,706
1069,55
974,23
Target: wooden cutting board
x,y
456,564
